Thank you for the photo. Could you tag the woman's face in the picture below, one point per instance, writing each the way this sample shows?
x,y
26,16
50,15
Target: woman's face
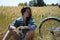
x,y
26,13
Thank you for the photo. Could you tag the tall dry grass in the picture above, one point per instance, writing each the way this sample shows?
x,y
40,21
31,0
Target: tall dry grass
x,y
9,14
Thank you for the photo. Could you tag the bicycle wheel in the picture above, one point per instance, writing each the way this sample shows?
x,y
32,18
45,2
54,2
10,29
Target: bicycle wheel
x,y
47,25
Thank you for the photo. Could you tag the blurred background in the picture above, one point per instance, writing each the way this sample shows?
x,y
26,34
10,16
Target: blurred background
x,y
29,2
10,10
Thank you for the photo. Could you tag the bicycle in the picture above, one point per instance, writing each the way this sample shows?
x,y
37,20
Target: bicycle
x,y
52,24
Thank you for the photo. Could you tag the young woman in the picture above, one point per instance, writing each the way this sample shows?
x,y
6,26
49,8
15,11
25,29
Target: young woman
x,y
26,25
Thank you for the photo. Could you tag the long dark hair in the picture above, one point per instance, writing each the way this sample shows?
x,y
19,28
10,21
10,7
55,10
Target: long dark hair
x,y
30,15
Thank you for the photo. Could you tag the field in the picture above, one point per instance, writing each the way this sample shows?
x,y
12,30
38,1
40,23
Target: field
x,y
9,14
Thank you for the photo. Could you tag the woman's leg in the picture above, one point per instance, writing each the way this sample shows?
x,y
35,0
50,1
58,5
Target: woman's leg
x,y
7,35
11,33
29,35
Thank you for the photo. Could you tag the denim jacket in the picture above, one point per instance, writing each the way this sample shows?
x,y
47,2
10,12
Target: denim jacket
x,y
19,22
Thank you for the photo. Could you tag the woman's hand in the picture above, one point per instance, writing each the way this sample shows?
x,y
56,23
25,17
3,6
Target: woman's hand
x,y
23,27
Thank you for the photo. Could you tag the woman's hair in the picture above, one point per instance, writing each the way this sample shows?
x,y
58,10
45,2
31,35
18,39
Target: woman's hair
x,y
30,14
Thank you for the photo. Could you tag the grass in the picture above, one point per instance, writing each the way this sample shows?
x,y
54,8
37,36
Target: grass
x,y
9,14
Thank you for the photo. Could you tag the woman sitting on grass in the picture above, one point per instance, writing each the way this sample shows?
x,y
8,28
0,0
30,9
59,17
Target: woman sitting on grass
x,y
26,25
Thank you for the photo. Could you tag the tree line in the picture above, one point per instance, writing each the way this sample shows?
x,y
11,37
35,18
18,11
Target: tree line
x,y
36,3
33,3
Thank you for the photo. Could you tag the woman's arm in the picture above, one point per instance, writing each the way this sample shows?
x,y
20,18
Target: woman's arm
x,y
32,24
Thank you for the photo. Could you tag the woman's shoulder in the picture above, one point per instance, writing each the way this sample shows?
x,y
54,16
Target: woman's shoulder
x,y
19,19
32,19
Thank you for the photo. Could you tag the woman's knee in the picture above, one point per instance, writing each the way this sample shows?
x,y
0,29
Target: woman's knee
x,y
30,33
11,28
11,31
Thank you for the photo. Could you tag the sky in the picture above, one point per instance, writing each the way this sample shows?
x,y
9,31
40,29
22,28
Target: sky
x,y
16,2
